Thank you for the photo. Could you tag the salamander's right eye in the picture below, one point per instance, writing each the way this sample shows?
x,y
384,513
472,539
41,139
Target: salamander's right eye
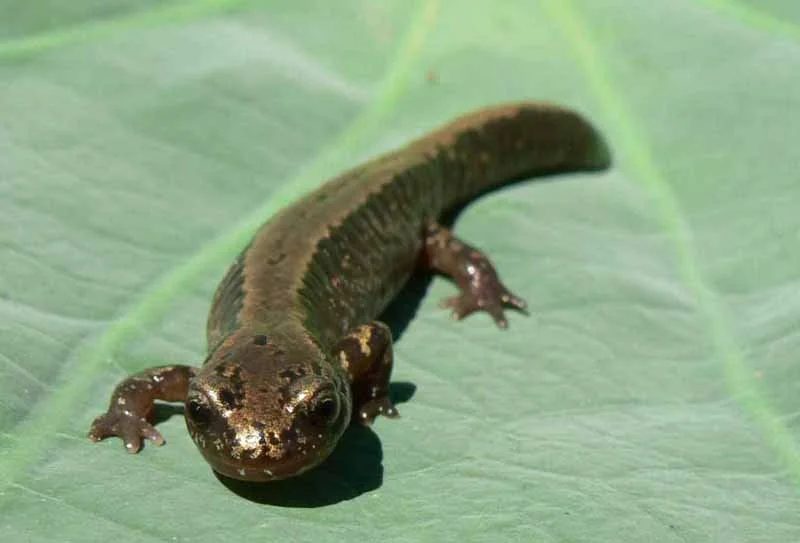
x,y
324,411
198,411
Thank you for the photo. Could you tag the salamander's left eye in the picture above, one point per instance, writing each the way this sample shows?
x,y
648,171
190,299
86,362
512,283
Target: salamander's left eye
x,y
324,411
198,411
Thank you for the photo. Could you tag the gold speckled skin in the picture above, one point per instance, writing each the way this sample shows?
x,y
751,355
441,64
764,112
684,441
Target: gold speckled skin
x,y
330,263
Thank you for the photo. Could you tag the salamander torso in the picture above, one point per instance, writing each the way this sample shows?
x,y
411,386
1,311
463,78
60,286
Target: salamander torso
x,y
295,352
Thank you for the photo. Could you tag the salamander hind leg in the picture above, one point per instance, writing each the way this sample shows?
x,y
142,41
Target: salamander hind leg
x,y
133,401
473,272
366,355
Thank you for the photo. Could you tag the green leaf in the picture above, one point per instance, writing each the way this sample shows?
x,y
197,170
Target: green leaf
x,y
652,395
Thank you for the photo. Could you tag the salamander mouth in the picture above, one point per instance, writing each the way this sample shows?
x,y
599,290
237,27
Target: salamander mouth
x,y
276,471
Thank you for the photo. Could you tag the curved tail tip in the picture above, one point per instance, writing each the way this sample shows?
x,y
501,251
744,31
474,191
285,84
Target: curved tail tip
x,y
600,157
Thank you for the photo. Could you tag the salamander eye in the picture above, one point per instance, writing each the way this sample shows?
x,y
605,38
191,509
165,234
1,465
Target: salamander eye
x,y
198,411
324,411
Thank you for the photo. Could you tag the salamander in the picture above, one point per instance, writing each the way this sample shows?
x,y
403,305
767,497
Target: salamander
x,y
295,350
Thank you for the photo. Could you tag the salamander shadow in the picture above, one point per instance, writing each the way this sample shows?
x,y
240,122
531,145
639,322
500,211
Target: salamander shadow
x,y
404,306
165,411
354,467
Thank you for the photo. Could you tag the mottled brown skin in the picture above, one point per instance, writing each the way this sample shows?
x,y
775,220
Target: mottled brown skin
x,y
295,352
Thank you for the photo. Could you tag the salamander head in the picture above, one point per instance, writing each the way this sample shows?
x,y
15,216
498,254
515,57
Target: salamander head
x,y
267,407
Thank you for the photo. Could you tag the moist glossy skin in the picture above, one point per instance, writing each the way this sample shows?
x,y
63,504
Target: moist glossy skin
x,y
295,352
267,406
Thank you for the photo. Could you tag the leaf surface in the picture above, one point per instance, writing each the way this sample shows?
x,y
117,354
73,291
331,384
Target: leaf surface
x,y
653,393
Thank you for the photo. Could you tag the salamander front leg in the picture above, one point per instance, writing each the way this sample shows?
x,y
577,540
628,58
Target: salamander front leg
x,y
133,402
481,288
366,355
